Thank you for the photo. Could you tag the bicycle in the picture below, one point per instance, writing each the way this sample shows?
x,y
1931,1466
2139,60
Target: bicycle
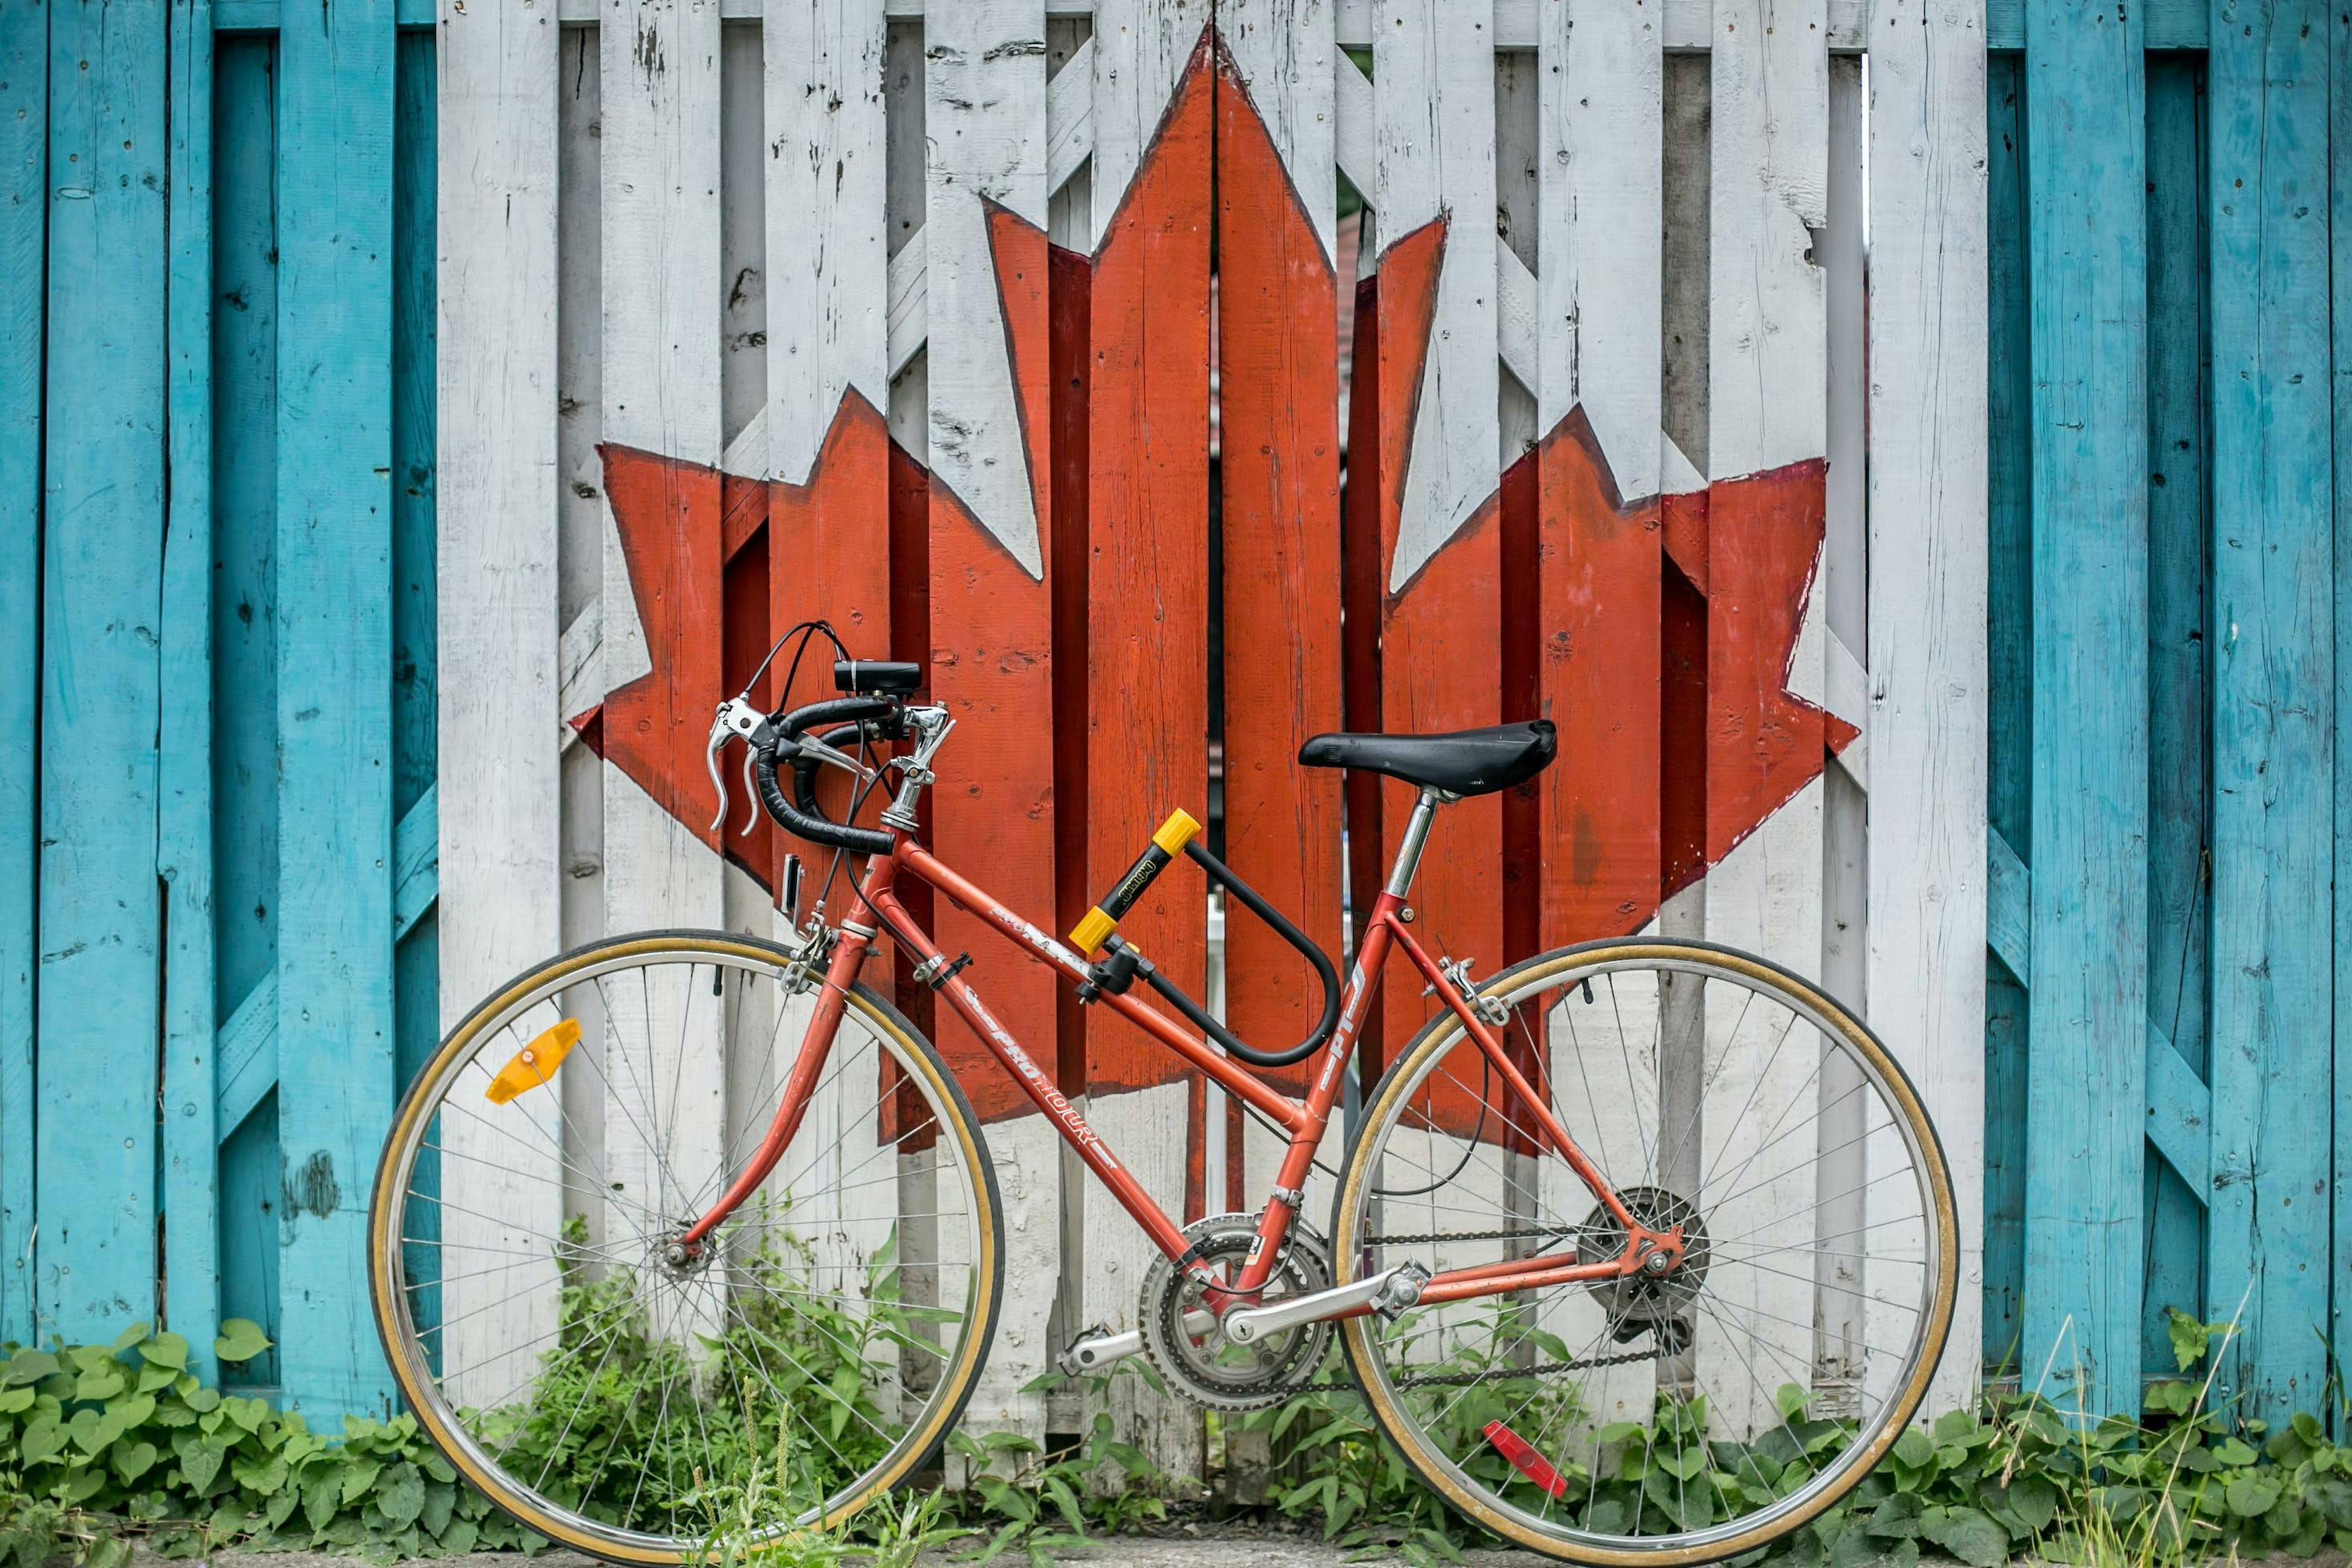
x,y
1684,1364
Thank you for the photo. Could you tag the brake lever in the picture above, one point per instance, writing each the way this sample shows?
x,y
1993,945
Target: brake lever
x,y
736,718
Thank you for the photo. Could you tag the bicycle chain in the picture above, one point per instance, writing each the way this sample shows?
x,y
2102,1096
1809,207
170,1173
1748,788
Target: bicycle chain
x,y
1462,1379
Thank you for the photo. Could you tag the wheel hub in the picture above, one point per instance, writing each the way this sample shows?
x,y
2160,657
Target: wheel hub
x,y
1666,1285
1190,1348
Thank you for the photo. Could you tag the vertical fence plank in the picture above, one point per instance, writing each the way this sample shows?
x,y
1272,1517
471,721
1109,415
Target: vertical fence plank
x,y
2009,726
1146,595
2339,211
990,603
1600,162
103,549
1768,431
1279,493
23,208
1441,651
2273,691
184,854
659,207
1928,561
334,710
499,789
828,356
245,651
2179,674
2085,1113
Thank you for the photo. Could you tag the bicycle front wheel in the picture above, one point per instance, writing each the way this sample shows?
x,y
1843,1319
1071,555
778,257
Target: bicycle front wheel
x,y
1678,1417
633,1399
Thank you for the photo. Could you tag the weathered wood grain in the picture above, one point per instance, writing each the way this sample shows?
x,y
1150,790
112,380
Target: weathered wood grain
x,y
183,863
1926,631
660,378
334,635
990,604
2273,693
23,157
497,643
102,543
2087,195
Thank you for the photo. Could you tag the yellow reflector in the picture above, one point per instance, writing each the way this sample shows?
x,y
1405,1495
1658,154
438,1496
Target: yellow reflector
x,y
535,1064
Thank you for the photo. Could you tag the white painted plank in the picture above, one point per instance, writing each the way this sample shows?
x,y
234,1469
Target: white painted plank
x,y
499,683
828,260
985,97
1597,322
580,581
1141,47
1434,107
984,104
1596,327
1767,394
1927,548
1069,116
1841,1360
660,220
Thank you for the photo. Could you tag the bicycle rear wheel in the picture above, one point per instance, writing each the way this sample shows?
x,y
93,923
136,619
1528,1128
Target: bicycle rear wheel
x,y
610,1392
1692,1416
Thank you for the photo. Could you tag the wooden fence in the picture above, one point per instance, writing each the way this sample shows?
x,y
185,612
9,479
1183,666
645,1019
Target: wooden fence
x,y
216,677
2165,1020
907,320
1154,373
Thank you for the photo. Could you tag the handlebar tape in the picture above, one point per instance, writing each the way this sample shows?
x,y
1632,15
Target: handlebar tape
x,y
781,739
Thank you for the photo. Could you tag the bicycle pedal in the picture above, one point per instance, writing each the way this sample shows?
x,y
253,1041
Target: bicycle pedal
x,y
1097,1349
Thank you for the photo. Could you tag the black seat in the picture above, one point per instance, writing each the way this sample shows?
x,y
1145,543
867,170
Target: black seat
x,y
1467,762
876,678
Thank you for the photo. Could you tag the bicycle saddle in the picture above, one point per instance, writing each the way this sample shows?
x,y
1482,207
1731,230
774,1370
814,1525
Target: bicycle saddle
x,y
1465,762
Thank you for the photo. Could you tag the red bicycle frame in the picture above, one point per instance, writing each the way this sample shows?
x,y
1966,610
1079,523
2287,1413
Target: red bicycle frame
x,y
1304,1121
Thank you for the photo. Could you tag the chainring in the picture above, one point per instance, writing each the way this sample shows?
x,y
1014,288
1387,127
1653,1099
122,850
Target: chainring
x,y
1198,1361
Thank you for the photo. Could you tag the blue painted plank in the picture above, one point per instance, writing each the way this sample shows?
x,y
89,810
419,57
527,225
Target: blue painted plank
x,y
2171,24
2340,221
97,989
24,198
245,660
185,862
2179,767
2008,691
335,1030
2084,1117
2274,697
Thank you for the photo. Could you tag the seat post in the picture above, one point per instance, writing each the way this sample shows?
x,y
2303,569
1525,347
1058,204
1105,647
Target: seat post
x,y
1416,834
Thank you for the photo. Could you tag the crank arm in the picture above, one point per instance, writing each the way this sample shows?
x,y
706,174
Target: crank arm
x,y
1390,1293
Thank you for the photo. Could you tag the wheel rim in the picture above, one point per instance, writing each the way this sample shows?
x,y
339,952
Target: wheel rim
x,y
1806,1167
537,1309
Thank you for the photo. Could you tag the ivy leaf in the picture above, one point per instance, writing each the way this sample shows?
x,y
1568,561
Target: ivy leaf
x,y
133,1460
43,1441
359,1475
2188,1337
131,1336
402,1494
1969,1534
165,1350
30,1366
2035,1500
15,1400
322,1496
440,1503
1915,1449
241,1338
201,1458
100,1383
264,1474
2250,1499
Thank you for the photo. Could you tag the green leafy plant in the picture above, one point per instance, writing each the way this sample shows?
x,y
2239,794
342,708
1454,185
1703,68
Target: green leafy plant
x,y
102,1444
